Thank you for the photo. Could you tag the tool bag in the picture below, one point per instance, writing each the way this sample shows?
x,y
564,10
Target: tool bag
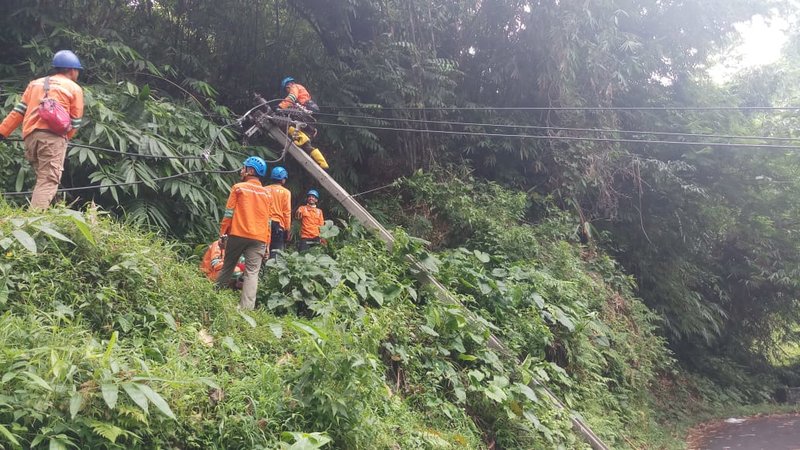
x,y
53,114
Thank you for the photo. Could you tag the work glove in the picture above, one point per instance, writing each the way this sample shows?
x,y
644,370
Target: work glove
x,y
222,241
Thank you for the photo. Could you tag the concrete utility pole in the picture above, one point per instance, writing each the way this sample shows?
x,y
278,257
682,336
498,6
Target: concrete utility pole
x,y
365,218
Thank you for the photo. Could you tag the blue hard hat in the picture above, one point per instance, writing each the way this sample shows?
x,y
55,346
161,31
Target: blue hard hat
x,y
286,81
256,163
65,59
313,193
279,173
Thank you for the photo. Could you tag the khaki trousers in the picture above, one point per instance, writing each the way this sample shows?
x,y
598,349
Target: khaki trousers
x,y
253,257
45,152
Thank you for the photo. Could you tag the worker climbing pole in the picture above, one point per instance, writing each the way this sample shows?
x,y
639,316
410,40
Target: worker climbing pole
x,y
299,105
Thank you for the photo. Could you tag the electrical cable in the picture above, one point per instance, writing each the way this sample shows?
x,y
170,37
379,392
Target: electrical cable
x,y
565,138
130,183
135,155
591,130
392,184
570,108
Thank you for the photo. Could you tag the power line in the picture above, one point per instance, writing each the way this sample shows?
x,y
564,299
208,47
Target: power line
x,y
392,184
136,155
565,138
131,183
569,108
592,130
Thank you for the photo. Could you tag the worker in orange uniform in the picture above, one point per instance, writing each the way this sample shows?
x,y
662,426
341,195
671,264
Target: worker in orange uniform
x,y
298,102
245,229
296,94
281,210
311,219
50,111
211,265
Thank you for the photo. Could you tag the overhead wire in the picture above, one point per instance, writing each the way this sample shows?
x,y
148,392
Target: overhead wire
x,y
566,108
129,183
556,128
136,155
379,188
565,138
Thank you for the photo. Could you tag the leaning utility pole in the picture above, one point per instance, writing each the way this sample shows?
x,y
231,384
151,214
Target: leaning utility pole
x,y
266,123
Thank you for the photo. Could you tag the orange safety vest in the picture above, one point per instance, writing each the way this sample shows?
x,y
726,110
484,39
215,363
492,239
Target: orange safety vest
x,y
247,211
281,205
311,220
297,94
26,112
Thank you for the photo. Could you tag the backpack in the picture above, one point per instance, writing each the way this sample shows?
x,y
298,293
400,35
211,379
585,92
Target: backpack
x,y
53,114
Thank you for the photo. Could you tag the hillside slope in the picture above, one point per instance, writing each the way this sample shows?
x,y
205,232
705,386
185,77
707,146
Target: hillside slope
x,y
111,340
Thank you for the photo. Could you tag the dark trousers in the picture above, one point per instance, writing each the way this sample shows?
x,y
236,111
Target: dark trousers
x,y
306,244
278,241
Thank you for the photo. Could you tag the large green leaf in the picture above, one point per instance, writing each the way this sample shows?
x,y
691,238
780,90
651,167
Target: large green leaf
x,y
138,397
25,239
110,393
156,399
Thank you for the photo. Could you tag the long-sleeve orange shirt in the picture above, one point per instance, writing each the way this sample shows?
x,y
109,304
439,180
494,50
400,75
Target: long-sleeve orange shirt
x,y
212,261
281,205
26,111
248,211
297,94
311,219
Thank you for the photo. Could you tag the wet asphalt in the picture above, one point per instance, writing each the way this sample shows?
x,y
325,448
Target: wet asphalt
x,y
754,433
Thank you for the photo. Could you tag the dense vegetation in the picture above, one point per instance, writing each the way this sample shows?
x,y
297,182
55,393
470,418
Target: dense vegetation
x,y
109,341
704,235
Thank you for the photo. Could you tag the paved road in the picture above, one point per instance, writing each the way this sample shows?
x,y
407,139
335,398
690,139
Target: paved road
x,y
754,433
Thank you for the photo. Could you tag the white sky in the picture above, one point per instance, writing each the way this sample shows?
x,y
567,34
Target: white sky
x,y
762,41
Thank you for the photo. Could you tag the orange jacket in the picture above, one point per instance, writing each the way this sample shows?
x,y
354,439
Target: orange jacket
x,y
213,261
247,211
281,205
297,94
311,219
26,112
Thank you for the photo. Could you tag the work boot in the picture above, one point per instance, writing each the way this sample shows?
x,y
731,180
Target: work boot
x,y
317,155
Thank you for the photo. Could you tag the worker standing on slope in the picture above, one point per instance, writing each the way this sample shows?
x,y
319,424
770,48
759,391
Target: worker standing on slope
x,y
245,229
298,102
281,215
50,111
311,219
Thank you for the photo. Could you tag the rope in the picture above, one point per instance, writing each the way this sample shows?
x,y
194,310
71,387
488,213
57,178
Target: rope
x,y
593,130
565,138
131,183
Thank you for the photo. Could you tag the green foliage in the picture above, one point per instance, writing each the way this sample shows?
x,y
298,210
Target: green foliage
x,y
128,116
707,233
566,310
